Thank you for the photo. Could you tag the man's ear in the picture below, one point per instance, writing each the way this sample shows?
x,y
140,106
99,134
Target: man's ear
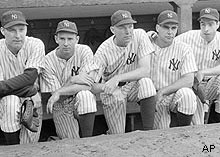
x,y
218,25
3,31
77,39
56,38
112,29
157,27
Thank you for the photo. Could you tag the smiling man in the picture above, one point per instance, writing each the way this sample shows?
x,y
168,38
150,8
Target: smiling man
x,y
21,62
172,72
206,48
124,62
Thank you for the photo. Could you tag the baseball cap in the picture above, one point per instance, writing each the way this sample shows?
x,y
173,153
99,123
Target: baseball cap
x,y
66,26
12,17
121,17
167,16
209,13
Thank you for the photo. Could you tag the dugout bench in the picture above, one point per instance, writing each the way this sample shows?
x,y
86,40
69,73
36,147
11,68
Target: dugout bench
x,y
132,109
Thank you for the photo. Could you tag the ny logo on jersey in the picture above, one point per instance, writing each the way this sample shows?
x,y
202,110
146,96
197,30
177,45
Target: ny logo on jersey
x,y
75,71
215,54
174,65
14,16
131,58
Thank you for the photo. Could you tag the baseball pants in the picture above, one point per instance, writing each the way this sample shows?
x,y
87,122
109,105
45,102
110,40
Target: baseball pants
x,y
114,105
9,119
66,124
184,101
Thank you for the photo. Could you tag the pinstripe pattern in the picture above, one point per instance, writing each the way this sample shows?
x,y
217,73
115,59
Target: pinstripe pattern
x,y
163,72
205,58
57,73
31,55
184,101
201,49
169,64
66,125
27,136
111,61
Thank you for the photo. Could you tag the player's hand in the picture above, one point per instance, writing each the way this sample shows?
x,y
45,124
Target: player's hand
x,y
159,96
152,35
37,100
54,98
82,78
111,85
199,76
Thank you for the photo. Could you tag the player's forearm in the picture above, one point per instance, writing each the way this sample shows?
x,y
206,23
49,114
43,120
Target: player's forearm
x,y
211,71
18,82
134,75
72,89
185,81
97,88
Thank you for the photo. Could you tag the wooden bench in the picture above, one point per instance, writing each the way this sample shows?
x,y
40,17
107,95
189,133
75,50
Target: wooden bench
x,y
132,109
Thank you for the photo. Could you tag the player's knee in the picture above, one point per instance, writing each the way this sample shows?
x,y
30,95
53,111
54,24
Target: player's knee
x,y
187,93
187,102
86,102
146,88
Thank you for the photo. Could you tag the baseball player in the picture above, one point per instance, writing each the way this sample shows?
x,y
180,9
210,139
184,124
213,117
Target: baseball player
x,y
66,76
21,61
172,72
206,48
124,62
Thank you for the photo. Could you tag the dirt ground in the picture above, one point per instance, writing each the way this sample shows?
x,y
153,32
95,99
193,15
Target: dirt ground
x,y
190,141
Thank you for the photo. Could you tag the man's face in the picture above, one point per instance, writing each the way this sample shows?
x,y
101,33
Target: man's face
x,y
167,32
123,34
66,42
14,36
208,28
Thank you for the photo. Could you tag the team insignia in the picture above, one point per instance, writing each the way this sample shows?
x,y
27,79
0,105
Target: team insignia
x,y
14,16
207,11
124,16
169,15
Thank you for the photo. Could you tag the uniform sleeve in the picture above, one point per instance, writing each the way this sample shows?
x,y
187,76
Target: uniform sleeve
x,y
48,80
100,62
145,47
87,59
189,63
37,55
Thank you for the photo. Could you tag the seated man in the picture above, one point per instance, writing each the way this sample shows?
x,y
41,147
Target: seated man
x,y
172,72
123,61
66,76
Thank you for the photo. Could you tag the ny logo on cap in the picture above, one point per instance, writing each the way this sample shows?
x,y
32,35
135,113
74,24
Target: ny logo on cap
x,y
124,16
14,16
207,10
66,24
169,15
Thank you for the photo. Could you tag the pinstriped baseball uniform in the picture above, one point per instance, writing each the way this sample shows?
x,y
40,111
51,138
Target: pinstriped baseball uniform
x,y
57,73
207,56
31,55
113,60
168,65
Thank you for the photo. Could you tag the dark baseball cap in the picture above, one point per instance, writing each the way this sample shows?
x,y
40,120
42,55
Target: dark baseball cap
x,y
121,17
12,17
167,16
209,13
66,26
